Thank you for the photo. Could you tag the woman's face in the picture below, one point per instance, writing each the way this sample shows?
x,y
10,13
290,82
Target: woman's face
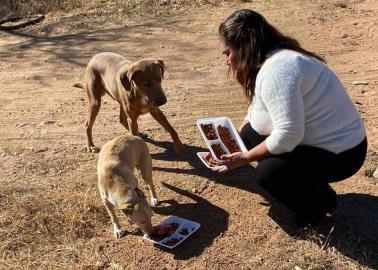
x,y
231,54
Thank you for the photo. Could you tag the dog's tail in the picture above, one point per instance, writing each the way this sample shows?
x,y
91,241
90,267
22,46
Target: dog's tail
x,y
78,85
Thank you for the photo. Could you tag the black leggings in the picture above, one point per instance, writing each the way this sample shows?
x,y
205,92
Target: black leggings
x,y
300,179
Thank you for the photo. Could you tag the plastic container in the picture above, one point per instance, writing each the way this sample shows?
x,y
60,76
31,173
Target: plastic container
x,y
216,140
202,156
180,234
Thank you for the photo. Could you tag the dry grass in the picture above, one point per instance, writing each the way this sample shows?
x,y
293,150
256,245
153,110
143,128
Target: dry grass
x,y
52,217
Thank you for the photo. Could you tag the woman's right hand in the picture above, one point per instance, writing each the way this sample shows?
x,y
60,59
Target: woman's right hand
x,y
233,161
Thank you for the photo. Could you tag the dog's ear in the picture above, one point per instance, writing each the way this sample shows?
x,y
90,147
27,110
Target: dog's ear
x,y
126,78
162,67
125,81
140,193
127,207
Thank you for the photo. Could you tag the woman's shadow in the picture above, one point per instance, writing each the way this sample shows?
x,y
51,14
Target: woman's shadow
x,y
213,220
353,231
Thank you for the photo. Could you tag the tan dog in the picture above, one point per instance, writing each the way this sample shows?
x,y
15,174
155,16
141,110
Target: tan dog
x,y
136,87
118,185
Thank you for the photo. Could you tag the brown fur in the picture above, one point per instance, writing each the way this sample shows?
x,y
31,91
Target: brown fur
x,y
118,185
135,86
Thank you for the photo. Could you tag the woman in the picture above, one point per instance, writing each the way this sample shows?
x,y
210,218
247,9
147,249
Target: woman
x,y
301,126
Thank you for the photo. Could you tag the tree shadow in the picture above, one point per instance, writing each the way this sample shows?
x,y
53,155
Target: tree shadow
x,y
213,220
68,47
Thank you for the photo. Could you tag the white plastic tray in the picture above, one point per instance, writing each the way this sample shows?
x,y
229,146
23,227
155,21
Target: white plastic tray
x,y
202,156
226,122
191,226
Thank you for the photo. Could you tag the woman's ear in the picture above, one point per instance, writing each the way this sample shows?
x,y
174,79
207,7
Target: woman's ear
x,y
162,67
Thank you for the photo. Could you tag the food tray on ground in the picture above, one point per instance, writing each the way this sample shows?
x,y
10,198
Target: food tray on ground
x,y
209,161
172,231
221,136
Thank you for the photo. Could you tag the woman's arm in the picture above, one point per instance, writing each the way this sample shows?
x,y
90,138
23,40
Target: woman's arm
x,y
239,159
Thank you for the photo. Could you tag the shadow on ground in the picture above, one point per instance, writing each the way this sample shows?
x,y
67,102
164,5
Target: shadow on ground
x,y
355,223
211,225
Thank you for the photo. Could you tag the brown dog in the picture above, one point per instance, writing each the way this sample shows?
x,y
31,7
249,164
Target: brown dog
x,y
135,86
118,185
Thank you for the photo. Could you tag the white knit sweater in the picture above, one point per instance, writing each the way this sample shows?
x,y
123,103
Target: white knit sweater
x,y
299,100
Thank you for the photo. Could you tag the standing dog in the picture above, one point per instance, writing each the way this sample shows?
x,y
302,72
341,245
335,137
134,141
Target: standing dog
x,y
118,185
135,86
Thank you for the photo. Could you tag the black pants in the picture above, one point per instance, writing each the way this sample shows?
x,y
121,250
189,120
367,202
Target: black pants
x,y
300,179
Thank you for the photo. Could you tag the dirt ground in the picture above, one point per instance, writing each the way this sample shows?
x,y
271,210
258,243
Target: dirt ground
x,y
51,213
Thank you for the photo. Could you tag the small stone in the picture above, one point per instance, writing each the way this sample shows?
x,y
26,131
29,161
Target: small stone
x,y
360,83
345,35
375,174
41,150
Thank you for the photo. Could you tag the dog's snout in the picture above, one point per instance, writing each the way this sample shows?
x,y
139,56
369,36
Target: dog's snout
x,y
161,101
158,100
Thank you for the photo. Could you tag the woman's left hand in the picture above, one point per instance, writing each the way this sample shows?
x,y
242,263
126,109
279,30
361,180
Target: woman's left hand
x,y
232,161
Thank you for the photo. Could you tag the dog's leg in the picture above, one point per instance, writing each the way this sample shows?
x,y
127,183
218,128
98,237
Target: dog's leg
x,y
146,170
114,218
162,120
93,108
133,125
123,118
94,92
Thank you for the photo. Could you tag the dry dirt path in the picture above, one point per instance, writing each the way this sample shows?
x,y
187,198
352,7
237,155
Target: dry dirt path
x,y
51,214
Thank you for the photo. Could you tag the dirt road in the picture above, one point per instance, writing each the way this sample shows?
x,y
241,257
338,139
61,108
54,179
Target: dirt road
x,y
51,213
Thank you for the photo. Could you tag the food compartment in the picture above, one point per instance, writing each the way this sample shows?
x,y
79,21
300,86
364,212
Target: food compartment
x,y
227,138
186,229
172,241
209,131
209,161
218,149
163,231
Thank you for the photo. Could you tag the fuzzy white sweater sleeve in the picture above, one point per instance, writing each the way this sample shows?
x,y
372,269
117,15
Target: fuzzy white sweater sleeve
x,y
299,100
281,94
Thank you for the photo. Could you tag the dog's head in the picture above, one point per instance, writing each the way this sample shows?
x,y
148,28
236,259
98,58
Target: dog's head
x,y
145,78
139,212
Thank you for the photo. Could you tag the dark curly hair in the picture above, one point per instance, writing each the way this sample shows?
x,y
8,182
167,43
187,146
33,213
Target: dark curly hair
x,y
247,32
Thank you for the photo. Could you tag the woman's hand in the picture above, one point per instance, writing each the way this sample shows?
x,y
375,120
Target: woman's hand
x,y
232,161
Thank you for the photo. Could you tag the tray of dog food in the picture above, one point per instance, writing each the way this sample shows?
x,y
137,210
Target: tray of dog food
x,y
221,138
172,231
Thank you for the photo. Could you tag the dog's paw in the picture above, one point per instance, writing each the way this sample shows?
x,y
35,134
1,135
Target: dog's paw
x,y
93,149
118,234
154,201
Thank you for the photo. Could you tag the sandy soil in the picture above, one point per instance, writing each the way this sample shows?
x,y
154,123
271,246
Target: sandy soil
x,y
51,213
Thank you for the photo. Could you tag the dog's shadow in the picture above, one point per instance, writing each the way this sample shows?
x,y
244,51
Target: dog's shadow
x,y
213,220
